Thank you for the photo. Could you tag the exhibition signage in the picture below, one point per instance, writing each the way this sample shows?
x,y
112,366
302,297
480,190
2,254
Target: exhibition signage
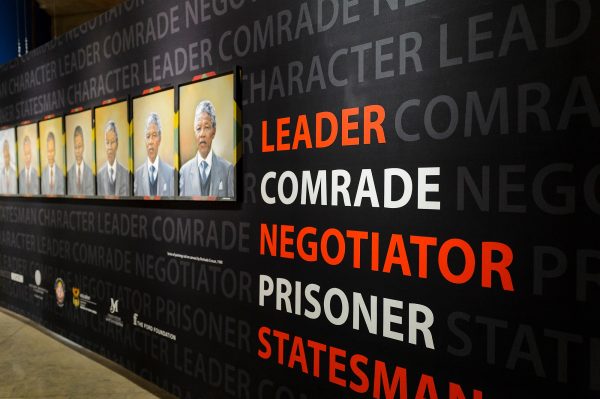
x,y
394,198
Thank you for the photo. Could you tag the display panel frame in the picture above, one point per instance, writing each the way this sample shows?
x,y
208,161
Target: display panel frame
x,y
60,158
124,158
166,150
88,184
34,149
224,150
9,177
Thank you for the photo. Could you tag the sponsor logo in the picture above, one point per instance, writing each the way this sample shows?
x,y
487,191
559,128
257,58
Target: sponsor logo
x,y
83,301
112,318
86,303
76,301
114,305
17,277
59,290
153,329
38,292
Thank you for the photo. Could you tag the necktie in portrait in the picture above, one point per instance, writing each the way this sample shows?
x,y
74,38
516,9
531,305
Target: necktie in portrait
x,y
203,166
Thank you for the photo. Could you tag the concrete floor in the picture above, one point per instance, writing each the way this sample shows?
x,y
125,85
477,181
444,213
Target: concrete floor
x,y
34,365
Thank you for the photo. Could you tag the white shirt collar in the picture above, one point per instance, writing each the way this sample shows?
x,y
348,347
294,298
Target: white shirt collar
x,y
155,164
208,159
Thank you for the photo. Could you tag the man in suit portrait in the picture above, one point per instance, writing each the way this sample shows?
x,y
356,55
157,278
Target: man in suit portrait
x,y
206,174
28,176
80,179
8,175
53,180
154,177
113,178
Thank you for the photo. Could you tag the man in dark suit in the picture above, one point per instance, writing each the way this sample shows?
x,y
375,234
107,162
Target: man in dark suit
x,y
80,179
53,179
206,174
154,177
113,178
29,182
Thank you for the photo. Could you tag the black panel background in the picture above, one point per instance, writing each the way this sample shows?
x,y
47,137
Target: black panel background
x,y
556,309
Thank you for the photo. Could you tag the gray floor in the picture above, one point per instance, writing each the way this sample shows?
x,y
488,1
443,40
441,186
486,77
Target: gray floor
x,y
34,365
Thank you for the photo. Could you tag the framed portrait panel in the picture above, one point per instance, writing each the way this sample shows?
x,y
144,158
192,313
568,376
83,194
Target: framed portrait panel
x,y
28,159
207,138
113,150
81,159
154,145
52,156
8,162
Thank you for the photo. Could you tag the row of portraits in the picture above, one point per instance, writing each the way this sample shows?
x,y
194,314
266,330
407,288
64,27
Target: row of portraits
x,y
109,151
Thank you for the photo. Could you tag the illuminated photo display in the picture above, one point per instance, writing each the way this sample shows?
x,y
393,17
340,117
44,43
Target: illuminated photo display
x,y
8,162
154,145
207,138
29,159
113,149
52,154
80,154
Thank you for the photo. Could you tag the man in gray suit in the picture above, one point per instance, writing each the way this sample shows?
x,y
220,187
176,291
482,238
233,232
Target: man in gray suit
x,y
8,175
80,179
206,174
29,182
113,178
53,179
154,177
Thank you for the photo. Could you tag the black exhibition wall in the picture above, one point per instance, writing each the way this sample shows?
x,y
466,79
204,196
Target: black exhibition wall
x,y
417,212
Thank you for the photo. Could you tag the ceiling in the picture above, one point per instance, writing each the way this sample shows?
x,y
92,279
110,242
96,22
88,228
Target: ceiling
x,y
75,7
67,14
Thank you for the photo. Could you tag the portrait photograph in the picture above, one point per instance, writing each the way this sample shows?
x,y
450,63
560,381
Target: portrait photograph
x,y
28,159
8,162
113,150
207,138
154,145
52,156
81,162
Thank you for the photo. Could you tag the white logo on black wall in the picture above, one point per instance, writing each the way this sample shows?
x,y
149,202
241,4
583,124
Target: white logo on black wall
x,y
114,305
38,292
138,323
85,302
111,317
